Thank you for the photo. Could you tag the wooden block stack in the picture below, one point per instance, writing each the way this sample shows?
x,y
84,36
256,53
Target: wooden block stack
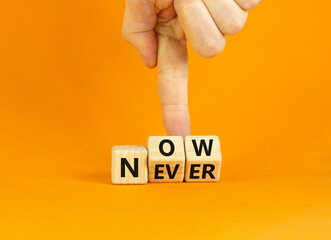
x,y
168,159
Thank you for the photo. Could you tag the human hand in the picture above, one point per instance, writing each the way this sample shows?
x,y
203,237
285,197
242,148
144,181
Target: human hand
x,y
158,29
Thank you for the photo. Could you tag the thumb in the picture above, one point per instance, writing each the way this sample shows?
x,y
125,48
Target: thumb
x,y
172,84
138,29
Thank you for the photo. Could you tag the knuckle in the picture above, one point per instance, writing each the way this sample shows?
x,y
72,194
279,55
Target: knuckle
x,y
172,109
125,35
233,25
212,48
172,74
249,4
183,5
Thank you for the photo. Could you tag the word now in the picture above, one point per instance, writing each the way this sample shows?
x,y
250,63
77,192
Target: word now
x,y
168,159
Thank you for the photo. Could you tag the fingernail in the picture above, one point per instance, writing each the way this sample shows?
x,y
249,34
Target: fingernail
x,y
145,60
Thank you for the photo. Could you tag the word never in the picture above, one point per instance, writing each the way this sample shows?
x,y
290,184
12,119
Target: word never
x,y
168,159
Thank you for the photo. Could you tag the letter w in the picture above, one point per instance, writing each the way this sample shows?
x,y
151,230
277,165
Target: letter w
x,y
203,145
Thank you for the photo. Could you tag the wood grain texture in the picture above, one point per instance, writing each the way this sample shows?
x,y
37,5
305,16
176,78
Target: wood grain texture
x,y
203,159
166,168
131,154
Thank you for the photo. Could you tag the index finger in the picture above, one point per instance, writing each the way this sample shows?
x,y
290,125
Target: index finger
x,y
172,85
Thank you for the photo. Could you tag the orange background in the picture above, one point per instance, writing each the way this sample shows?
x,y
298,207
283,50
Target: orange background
x,y
71,87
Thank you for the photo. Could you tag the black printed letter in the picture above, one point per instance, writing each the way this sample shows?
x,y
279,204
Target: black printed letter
x,y
157,171
205,171
172,176
172,147
192,171
203,144
124,162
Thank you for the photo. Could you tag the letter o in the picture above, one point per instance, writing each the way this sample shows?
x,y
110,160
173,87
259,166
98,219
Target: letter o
x,y
172,147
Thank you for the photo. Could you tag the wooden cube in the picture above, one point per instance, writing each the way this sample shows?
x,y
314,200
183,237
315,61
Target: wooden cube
x,y
166,159
203,159
129,165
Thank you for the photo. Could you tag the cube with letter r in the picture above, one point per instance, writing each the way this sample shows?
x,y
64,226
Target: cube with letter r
x,y
203,159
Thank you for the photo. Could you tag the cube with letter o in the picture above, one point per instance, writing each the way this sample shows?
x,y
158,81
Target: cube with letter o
x,y
166,159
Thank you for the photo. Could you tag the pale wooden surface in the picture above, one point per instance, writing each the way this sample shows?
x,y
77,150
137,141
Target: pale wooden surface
x,y
155,157
191,158
129,152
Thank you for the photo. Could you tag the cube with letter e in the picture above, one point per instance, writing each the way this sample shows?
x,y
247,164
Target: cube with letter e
x,y
203,159
166,159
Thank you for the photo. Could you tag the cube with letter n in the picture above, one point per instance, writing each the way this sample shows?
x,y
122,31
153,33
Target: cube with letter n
x,y
203,159
129,165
